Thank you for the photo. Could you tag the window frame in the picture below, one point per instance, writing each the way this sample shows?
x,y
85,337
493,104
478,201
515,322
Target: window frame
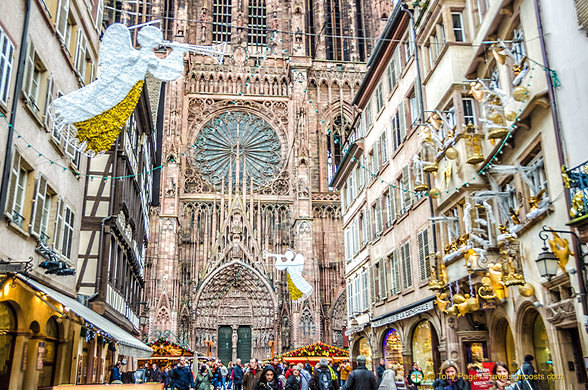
x,y
6,65
458,29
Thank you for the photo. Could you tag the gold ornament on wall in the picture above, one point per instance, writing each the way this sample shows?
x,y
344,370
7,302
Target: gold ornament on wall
x,y
486,291
535,200
527,290
577,205
451,153
473,144
441,301
510,116
520,93
434,192
477,90
561,248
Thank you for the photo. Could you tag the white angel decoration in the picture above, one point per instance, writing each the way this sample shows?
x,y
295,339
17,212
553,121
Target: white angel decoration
x,y
91,118
293,263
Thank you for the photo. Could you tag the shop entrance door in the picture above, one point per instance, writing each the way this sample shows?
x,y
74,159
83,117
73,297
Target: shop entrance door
x,y
225,343
244,343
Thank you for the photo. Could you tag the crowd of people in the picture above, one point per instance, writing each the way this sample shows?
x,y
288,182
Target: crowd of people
x,y
325,375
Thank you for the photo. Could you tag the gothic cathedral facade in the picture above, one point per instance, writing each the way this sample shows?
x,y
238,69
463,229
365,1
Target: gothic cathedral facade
x,y
249,149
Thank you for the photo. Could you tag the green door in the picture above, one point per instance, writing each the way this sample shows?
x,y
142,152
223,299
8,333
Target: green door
x,y
225,344
244,343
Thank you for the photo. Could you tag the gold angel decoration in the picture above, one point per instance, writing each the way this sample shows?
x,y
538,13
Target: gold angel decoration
x,y
561,248
535,200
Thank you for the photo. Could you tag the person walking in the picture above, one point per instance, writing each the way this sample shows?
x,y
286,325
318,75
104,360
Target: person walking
x,y
380,370
388,379
294,381
204,377
238,375
268,379
116,374
305,377
526,375
165,379
277,368
361,378
449,378
412,385
252,376
345,369
323,377
224,372
182,376
155,373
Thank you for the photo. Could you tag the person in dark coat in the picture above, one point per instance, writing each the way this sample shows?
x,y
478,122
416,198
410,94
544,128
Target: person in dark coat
x,y
411,384
268,379
147,370
294,380
252,376
115,374
526,379
361,378
449,378
276,366
380,370
165,379
155,374
182,376
238,375
323,378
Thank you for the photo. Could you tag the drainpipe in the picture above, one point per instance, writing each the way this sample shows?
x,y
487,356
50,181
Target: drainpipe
x,y
17,88
562,161
419,87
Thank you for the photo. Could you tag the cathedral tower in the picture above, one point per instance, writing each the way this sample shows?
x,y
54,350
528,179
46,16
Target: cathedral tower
x,y
250,147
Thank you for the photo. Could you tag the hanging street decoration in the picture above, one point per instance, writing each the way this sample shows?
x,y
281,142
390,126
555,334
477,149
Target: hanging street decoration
x,y
293,263
91,118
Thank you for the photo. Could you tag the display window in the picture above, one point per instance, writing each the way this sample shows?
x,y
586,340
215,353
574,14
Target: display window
x,y
423,343
393,352
366,350
543,362
7,327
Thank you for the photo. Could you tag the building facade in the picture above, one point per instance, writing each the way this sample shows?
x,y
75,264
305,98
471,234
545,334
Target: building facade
x,y
249,150
48,49
494,180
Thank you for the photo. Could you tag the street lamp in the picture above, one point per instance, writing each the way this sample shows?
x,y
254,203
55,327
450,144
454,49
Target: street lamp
x,y
547,263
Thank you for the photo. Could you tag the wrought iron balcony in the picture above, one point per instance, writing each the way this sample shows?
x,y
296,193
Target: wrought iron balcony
x,y
17,218
576,179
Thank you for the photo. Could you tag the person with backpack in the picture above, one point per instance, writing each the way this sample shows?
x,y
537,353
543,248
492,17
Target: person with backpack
x,y
526,375
323,377
305,377
361,378
238,375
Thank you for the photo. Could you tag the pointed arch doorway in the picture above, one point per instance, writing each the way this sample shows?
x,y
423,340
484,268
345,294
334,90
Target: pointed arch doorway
x,y
236,309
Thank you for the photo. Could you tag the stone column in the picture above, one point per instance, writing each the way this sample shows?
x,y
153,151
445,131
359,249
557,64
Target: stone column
x,y
20,353
235,341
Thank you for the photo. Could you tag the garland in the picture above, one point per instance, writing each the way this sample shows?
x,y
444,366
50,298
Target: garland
x,y
317,350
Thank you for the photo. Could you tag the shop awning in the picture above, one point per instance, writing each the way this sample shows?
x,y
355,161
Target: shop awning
x,y
128,345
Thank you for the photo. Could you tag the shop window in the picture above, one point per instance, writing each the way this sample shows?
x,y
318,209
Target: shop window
x,y
366,350
543,360
424,343
393,352
47,375
7,338
476,352
6,58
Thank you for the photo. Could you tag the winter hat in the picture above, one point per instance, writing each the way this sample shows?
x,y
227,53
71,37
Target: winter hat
x,y
324,362
361,360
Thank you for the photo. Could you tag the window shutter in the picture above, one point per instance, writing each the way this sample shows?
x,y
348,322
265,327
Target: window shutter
x,y
383,288
406,266
350,300
57,230
29,67
61,19
13,180
6,58
394,274
365,291
99,14
38,206
402,120
373,283
423,243
48,99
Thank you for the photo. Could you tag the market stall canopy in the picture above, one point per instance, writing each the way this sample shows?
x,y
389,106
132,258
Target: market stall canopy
x,y
314,352
128,345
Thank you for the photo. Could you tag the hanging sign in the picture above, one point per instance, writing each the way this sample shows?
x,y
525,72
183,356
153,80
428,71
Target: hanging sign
x,y
480,377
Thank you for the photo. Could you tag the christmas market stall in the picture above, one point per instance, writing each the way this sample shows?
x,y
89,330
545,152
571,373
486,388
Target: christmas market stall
x,y
313,353
167,352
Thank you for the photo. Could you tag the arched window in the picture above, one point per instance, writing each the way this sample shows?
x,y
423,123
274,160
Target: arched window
x,y
7,328
335,140
47,375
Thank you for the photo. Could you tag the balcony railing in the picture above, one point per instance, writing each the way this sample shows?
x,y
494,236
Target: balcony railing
x,y
576,179
17,218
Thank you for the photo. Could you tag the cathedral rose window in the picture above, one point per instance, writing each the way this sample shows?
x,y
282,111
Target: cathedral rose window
x,y
238,144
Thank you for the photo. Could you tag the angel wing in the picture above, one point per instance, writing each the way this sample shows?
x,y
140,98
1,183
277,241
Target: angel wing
x,y
115,46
